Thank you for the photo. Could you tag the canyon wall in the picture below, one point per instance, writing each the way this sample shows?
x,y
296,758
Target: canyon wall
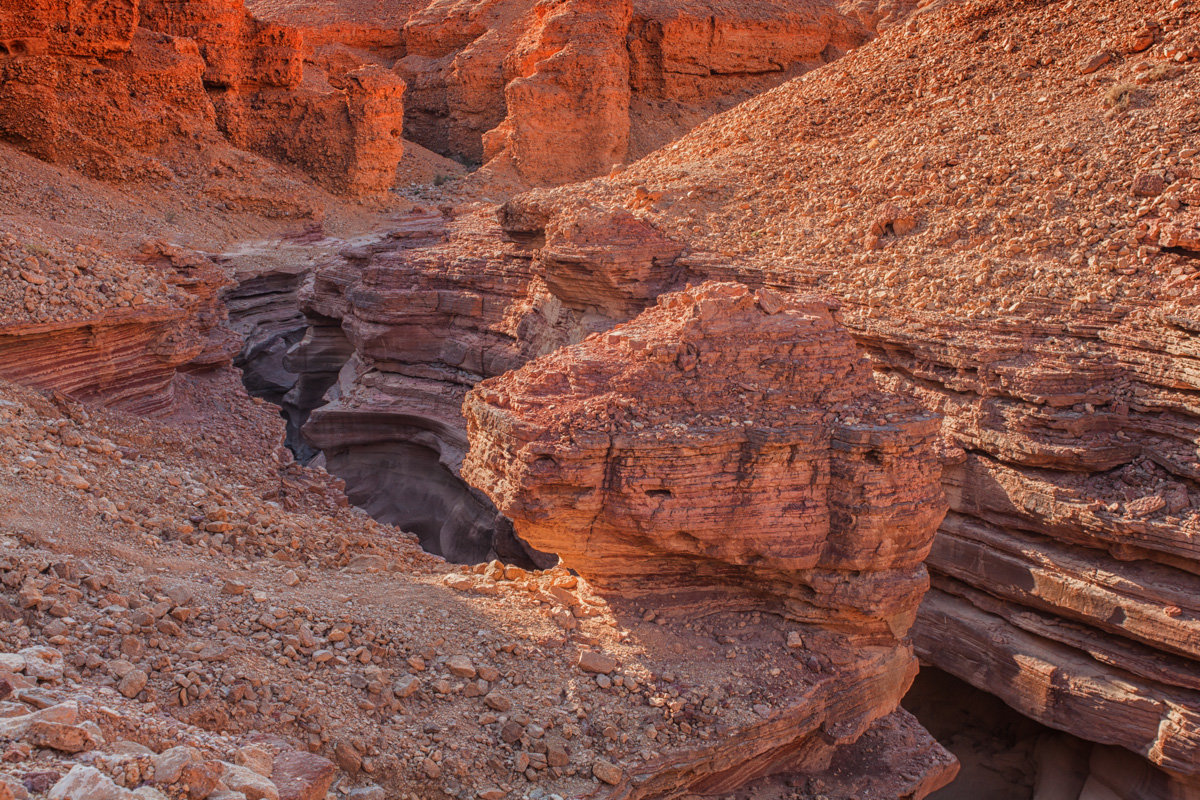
x,y
836,484
124,89
551,94
1037,291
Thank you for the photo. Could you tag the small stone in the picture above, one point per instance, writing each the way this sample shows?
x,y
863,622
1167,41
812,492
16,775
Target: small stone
x,y
1095,62
248,782
290,578
592,661
302,776
43,663
406,686
169,765
1147,184
255,758
497,701
512,731
606,772
234,587
460,666
133,683
86,783
57,736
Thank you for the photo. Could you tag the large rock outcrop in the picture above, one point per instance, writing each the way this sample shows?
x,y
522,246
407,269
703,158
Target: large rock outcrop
x,y
125,89
728,449
724,440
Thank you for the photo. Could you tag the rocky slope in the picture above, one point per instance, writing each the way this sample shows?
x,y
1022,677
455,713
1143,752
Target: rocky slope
x,y
213,583
1037,291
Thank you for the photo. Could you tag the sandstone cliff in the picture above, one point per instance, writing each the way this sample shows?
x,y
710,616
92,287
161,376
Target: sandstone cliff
x,y
553,94
124,89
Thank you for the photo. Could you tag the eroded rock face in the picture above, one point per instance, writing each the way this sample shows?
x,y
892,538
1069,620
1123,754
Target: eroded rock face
x,y
1059,342
71,28
554,93
568,94
116,119
348,139
175,75
727,446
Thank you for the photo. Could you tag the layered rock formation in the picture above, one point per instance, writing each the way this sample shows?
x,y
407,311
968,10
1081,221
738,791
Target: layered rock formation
x,y
173,76
106,329
565,92
1037,291
728,449
638,454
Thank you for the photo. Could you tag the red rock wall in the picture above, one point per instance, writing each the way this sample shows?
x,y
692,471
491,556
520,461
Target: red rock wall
x,y
567,97
67,28
552,94
145,105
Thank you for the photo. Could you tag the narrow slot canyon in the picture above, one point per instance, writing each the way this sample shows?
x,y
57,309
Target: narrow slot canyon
x,y
401,470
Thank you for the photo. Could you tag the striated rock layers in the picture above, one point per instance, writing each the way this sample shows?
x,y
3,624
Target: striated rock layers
x,y
106,330
728,449
124,89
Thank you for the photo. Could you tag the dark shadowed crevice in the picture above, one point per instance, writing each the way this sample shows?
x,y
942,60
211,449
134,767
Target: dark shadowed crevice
x,y
400,476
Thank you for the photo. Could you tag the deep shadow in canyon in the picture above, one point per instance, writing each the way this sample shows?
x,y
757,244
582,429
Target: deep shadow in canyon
x,y
406,479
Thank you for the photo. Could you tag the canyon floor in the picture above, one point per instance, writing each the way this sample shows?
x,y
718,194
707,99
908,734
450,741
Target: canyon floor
x,y
599,399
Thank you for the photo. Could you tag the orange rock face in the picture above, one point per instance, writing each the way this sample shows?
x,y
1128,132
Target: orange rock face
x,y
568,97
559,93
115,119
175,74
69,28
